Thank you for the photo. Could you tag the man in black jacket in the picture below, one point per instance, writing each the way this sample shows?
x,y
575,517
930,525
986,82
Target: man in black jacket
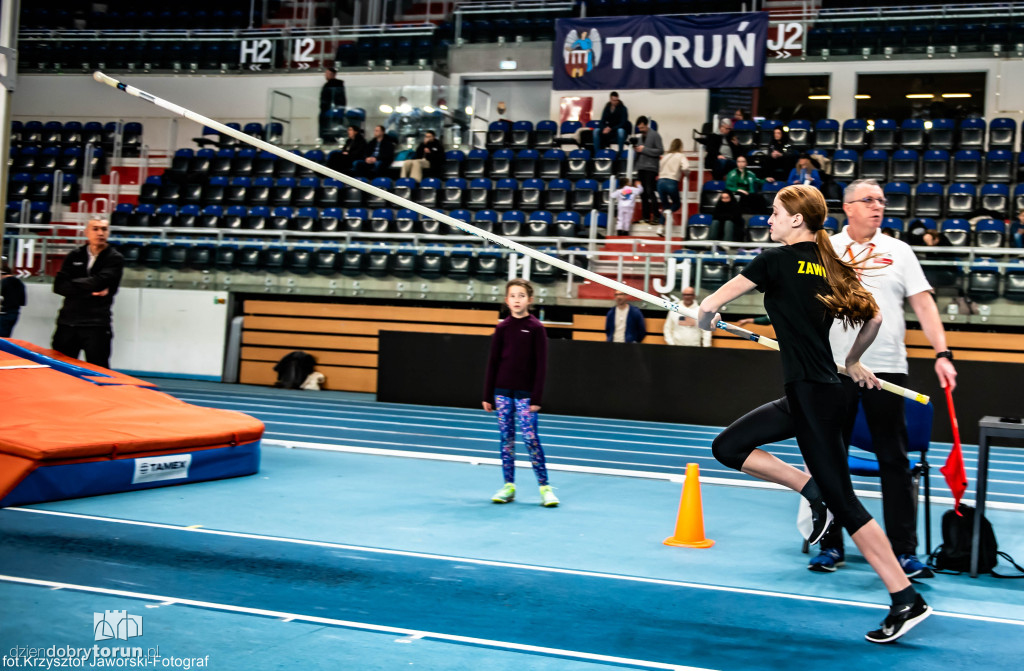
x,y
380,152
353,150
88,280
428,160
332,95
614,124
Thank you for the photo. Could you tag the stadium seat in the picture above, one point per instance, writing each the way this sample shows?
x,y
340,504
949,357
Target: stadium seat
x,y
709,195
544,134
885,135
584,195
905,166
893,224
1014,288
525,164
714,271
983,280
844,165
453,193
972,134
874,164
957,231
831,224
355,220
929,200
989,233
522,134
552,164
942,134
403,261
501,163
912,134
504,195
531,194
966,166
995,200
578,164
854,134
497,135
406,222
698,227
960,199
478,195
826,133
999,166
489,265
935,167
897,196
486,220
475,164
758,229
513,223
329,193
353,260
430,263
557,195
745,134
330,219
428,192
378,260
453,160
800,136
372,200
1002,134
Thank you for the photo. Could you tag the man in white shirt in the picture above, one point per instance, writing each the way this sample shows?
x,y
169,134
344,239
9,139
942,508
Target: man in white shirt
x,y
893,274
680,330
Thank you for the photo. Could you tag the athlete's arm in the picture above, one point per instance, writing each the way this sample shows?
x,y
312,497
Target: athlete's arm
x,y
710,306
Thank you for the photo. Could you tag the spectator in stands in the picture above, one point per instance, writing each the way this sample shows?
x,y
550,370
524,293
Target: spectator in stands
x,y
88,279
332,95
343,160
502,109
933,238
380,152
12,299
625,203
779,160
680,330
893,276
429,159
1017,231
625,322
804,172
742,115
672,167
721,148
727,218
648,155
614,123
744,185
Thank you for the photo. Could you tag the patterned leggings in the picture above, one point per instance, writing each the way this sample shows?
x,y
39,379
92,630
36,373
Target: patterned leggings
x,y
508,408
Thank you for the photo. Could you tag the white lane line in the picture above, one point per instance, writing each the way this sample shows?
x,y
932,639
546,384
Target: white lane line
x,y
497,564
365,626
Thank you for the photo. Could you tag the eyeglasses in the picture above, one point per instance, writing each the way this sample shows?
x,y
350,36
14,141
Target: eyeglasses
x,y
869,200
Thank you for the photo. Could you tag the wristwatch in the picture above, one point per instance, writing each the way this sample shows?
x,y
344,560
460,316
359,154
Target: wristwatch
x,y
948,354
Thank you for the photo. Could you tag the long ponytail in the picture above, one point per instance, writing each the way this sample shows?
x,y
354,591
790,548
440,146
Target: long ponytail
x,y
847,298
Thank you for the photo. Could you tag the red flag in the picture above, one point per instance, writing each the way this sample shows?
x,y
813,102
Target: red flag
x,y
954,471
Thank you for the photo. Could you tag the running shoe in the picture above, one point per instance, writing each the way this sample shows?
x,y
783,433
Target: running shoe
x,y
506,494
547,497
914,568
828,560
821,521
899,621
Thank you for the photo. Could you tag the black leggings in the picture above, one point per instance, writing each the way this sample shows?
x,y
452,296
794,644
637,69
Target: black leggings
x,y
812,412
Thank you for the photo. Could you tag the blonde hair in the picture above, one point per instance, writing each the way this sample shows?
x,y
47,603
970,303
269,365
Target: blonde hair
x,y
675,147
847,299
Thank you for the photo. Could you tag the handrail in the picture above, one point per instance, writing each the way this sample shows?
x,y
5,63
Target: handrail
x,y
334,32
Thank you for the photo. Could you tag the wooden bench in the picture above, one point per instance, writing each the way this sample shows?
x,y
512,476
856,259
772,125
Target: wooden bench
x,y
342,337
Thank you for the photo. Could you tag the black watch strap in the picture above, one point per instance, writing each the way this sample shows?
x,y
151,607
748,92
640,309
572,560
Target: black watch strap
x,y
948,354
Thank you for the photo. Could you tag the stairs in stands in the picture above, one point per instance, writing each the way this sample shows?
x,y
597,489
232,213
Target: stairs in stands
x,y
129,176
632,266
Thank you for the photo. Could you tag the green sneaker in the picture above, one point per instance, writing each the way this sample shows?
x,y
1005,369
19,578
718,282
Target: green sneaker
x,y
547,497
506,494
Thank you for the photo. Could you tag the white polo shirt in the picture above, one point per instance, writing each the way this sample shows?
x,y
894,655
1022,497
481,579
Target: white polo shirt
x,y
891,276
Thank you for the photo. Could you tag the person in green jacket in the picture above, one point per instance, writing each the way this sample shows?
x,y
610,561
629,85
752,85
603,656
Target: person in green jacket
x,y
745,184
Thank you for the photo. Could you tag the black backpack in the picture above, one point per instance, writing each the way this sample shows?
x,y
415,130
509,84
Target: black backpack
x,y
293,369
954,555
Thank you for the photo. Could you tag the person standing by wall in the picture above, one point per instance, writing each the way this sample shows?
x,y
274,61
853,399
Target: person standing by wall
x,y
680,330
648,155
332,95
88,280
624,322
514,386
12,299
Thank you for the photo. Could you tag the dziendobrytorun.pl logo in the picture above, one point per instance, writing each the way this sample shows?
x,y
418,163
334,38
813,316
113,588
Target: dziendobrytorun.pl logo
x,y
108,625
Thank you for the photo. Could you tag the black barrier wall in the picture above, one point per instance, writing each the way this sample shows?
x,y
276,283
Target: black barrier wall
x,y
659,382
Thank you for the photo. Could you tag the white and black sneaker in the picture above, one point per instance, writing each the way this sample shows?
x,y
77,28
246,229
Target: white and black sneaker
x,y
901,621
821,520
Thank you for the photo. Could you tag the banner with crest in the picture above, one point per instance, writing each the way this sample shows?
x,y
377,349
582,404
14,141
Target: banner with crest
x,y
660,52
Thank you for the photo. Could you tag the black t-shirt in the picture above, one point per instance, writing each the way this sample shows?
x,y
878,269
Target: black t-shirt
x,y
791,278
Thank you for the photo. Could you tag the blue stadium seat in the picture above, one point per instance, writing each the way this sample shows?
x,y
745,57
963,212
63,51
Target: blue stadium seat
x,y
942,134
478,196
800,135
486,219
967,166
544,134
844,165
990,233
513,223
709,195
1002,134
995,200
584,195
501,163
428,192
745,134
960,199
897,196
453,193
330,219
552,163
578,164
453,163
540,223
894,224
826,133
557,196
497,135
972,134
1014,288
905,166
406,222
355,220
935,167
854,134
504,195
522,134
885,134
475,164
698,227
874,164
957,231
382,220
983,280
929,200
999,166
531,194
525,164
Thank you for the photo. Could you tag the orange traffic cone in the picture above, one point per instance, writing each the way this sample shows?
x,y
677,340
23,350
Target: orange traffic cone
x,y
690,521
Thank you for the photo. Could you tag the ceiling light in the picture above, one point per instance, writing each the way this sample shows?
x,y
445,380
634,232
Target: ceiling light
x,y
862,96
956,95
923,96
819,97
